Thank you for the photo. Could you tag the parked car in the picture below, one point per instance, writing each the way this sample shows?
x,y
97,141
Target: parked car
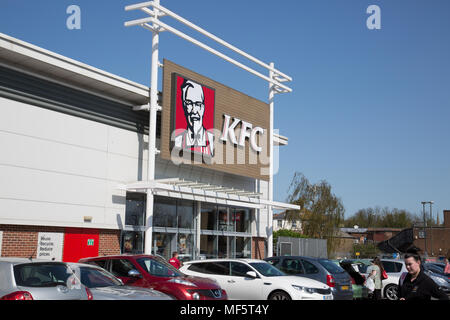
x,y
440,279
322,270
438,268
105,286
25,279
357,279
248,279
147,271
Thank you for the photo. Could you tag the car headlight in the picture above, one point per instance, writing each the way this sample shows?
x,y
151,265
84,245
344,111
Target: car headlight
x,y
183,282
304,289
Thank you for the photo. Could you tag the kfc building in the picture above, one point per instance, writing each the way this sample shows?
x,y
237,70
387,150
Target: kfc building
x,y
75,149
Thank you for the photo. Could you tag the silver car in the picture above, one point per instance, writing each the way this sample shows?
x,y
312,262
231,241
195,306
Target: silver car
x,y
104,286
24,279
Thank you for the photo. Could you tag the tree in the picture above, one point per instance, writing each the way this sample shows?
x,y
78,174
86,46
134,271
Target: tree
x,y
382,218
321,212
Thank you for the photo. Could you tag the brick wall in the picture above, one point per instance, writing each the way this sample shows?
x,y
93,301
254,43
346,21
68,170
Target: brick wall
x,y
21,241
258,248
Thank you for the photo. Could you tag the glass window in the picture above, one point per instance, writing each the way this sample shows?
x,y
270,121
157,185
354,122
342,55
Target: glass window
x,y
226,247
242,217
158,268
243,247
391,267
162,244
185,246
239,269
219,268
226,223
267,269
94,278
309,267
208,246
132,242
41,274
273,262
208,217
99,263
135,209
292,266
331,267
121,267
165,212
185,213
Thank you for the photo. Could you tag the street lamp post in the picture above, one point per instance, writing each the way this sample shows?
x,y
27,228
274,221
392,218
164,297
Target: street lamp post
x,y
431,227
424,227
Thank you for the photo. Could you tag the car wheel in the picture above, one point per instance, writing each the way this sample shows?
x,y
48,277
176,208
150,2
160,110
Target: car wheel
x,y
279,295
391,292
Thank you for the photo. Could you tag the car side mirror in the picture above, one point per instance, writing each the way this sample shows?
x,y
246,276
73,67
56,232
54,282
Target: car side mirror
x,y
134,274
251,274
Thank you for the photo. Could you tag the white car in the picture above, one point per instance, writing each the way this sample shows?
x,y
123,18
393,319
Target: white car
x,y
248,279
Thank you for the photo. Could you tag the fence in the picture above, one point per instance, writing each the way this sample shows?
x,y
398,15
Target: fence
x,y
301,247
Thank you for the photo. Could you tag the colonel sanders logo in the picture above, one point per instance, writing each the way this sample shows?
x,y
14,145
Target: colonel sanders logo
x,y
194,117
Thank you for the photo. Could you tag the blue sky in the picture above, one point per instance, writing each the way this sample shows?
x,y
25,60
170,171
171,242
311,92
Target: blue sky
x,y
369,111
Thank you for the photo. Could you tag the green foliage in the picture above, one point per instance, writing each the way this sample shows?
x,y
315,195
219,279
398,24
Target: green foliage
x,y
366,251
381,218
321,211
287,233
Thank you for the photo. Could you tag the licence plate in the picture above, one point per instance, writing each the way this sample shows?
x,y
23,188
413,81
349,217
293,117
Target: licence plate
x,y
330,297
344,287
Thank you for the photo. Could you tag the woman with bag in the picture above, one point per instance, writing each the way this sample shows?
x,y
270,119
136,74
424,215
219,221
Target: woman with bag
x,y
375,271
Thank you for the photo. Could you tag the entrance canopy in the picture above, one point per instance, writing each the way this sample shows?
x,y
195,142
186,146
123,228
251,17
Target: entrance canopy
x,y
180,188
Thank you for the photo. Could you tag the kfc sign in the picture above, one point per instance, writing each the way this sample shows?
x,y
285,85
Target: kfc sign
x,y
207,124
194,121
194,117
247,131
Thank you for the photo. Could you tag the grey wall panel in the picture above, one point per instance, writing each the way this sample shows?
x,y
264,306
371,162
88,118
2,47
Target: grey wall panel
x,y
46,94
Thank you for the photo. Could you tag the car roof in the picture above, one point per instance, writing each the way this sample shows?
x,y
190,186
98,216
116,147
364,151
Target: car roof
x,y
15,261
301,257
115,256
225,260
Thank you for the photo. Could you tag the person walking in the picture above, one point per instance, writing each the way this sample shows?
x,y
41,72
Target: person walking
x,y
174,260
447,266
375,270
415,284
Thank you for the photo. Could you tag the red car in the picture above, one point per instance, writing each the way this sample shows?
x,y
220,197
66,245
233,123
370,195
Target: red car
x,y
153,272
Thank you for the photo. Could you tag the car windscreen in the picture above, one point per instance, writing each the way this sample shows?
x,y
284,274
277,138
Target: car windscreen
x,y
41,274
267,269
158,268
96,278
330,266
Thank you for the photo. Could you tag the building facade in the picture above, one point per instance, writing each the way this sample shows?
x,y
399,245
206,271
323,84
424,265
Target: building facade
x,y
74,165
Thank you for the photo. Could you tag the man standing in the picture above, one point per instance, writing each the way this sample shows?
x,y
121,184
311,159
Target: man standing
x,y
415,284
174,260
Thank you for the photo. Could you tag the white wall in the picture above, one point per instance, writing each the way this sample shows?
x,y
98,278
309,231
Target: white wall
x,y
55,168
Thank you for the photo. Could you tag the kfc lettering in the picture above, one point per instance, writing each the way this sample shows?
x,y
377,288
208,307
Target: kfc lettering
x,y
247,131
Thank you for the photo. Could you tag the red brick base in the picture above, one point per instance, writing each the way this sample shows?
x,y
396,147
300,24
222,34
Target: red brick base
x,y
21,241
258,248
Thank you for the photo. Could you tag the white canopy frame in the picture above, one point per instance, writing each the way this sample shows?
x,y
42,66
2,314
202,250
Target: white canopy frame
x,y
276,80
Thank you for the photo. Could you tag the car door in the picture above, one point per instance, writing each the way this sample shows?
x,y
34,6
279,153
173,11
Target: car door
x,y
310,270
243,286
121,267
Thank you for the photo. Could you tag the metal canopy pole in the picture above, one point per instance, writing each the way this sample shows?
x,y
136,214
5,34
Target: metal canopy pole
x,y
152,135
275,79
